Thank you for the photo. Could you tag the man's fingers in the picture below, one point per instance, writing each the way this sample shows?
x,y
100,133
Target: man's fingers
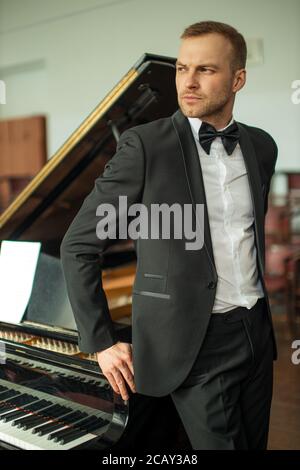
x,y
128,376
116,364
129,359
112,382
119,379
130,366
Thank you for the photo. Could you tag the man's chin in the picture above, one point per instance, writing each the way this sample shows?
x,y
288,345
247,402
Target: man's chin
x,y
190,111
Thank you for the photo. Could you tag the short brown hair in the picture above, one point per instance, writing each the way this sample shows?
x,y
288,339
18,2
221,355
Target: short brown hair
x,y
236,39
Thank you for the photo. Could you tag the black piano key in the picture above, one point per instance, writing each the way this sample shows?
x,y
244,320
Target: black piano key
x,y
39,405
46,428
4,409
58,411
55,436
71,418
8,394
13,415
61,411
86,422
90,422
36,406
65,436
17,422
96,425
22,400
50,412
70,437
84,425
16,402
63,421
20,422
31,421
34,423
75,416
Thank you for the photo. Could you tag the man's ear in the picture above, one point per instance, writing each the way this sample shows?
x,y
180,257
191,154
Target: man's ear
x,y
239,80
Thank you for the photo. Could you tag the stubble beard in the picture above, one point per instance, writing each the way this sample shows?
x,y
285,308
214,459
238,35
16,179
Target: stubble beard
x,y
206,107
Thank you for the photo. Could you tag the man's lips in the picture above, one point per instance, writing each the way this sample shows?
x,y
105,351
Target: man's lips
x,y
190,98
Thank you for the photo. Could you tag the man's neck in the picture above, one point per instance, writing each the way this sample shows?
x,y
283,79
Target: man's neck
x,y
217,123
196,123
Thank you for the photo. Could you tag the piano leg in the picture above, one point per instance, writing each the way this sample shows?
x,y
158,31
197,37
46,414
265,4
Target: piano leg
x,y
153,424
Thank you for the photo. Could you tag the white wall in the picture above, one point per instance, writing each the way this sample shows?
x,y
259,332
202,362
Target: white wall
x,y
61,57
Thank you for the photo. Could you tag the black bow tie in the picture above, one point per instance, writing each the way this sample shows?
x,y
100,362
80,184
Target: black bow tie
x,y
229,136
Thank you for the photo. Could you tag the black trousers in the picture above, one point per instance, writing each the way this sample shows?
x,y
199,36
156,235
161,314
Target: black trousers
x,y
225,401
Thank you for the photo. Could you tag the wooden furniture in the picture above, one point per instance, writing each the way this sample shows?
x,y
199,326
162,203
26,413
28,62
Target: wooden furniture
x,y
23,154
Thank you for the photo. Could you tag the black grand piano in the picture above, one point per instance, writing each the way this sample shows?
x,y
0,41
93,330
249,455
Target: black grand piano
x,y
52,396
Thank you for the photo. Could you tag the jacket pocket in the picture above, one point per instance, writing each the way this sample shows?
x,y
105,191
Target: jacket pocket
x,y
150,282
154,276
157,295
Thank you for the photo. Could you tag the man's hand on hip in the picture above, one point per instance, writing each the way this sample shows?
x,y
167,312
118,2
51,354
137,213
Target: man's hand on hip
x,y
116,365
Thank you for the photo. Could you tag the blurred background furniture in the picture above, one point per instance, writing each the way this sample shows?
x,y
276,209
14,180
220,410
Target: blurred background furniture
x,y
22,154
295,297
282,235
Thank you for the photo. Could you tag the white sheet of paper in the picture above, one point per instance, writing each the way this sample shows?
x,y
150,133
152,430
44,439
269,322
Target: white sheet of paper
x,y
18,261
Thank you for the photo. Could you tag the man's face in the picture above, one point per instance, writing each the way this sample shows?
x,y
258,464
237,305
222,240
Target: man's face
x,y
205,82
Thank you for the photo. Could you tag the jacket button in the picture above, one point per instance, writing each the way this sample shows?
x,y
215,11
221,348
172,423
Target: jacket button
x,y
211,285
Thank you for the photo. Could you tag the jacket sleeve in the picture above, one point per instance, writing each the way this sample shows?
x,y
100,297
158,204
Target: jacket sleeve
x,y
274,159
81,249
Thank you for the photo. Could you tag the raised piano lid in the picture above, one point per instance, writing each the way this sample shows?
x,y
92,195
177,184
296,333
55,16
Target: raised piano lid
x,y
45,208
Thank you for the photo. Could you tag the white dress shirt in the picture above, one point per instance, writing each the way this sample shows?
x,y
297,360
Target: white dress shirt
x,y
231,222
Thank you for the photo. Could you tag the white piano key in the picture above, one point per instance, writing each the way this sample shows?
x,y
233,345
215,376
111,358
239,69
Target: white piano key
x,y
25,439
28,441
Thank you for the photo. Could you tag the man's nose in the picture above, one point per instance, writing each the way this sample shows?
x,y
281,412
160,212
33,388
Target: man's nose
x,y
191,81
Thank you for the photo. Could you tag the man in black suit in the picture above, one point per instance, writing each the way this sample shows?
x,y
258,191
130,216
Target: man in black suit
x,y
201,322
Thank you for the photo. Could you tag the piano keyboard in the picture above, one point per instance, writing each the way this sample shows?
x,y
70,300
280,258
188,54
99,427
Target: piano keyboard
x,y
32,419
57,370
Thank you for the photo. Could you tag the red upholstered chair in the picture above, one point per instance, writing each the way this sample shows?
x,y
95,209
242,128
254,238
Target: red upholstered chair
x,y
279,278
277,224
293,199
293,179
295,297
283,217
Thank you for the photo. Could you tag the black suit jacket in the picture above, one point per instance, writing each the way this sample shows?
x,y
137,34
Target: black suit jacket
x,y
174,288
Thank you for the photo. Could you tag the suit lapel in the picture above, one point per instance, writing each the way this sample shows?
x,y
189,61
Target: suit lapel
x,y
189,153
255,185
